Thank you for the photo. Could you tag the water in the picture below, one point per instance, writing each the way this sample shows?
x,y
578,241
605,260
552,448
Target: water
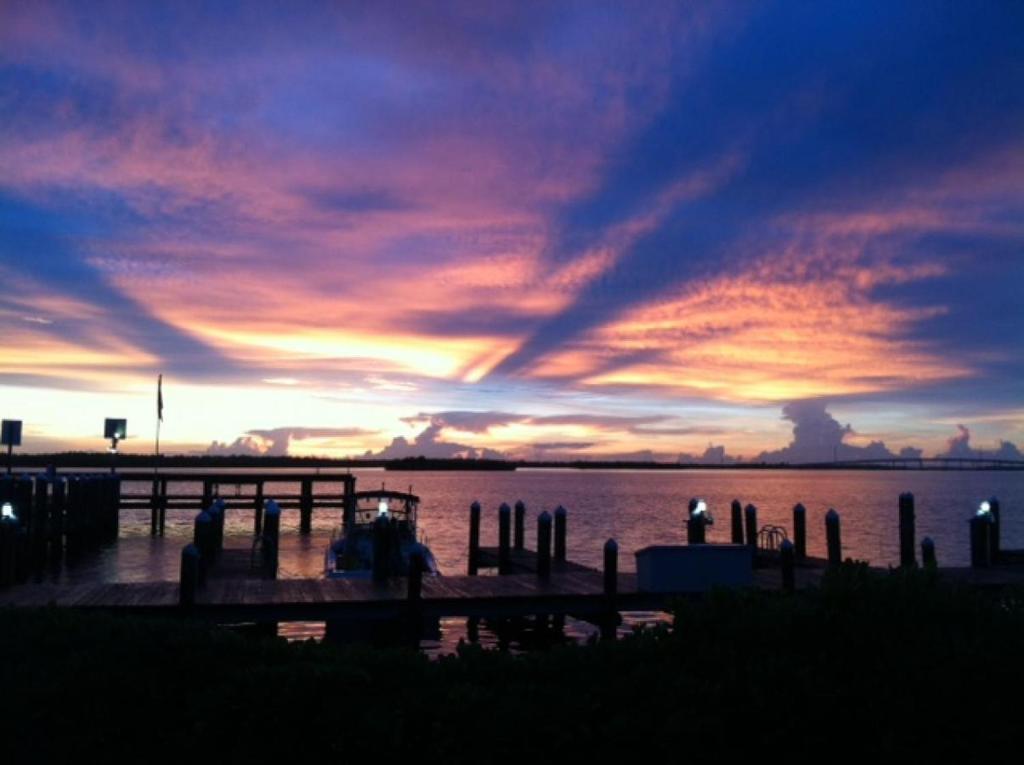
x,y
635,507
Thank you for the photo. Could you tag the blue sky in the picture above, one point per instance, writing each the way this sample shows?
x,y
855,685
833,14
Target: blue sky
x,y
600,229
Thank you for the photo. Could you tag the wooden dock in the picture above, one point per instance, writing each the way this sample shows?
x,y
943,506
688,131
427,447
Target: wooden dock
x,y
235,600
241,585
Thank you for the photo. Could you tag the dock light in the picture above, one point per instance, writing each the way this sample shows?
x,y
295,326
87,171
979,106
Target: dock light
x,y
984,508
700,508
7,511
382,507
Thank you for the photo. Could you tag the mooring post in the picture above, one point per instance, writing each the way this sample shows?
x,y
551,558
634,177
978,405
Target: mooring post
x,y
163,506
611,589
694,524
414,594
519,530
737,522
474,538
928,553
202,538
73,513
381,551
115,505
271,538
504,539
23,502
544,545
306,507
799,531
8,550
750,516
787,554
154,508
560,534
907,535
994,531
207,495
56,524
40,513
833,540
416,566
257,515
981,545
191,574
219,510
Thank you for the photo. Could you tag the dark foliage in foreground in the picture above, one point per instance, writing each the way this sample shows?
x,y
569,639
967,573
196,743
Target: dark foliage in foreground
x,y
866,666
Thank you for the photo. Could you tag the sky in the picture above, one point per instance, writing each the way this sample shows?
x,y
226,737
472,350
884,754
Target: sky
x,y
553,230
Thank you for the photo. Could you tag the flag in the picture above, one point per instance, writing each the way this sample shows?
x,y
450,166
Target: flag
x,y
160,398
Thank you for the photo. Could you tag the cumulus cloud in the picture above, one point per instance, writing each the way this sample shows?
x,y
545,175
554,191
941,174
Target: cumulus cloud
x,y
428,444
819,437
713,455
960,446
276,442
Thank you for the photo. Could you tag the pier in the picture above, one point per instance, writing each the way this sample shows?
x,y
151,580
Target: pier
x,y
232,585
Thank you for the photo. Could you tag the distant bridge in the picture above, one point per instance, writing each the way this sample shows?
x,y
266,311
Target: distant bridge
x,y
921,463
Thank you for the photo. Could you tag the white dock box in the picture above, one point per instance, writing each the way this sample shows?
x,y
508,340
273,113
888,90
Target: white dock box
x,y
693,568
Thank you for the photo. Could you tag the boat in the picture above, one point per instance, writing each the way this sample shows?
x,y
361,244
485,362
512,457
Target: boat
x,y
378,540
378,534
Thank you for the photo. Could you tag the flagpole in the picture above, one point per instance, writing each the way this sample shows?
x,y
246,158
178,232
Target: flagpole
x,y
159,420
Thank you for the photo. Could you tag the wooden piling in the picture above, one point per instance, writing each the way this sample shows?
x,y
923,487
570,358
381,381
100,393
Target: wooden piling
x,y
55,524
163,505
560,534
8,551
750,516
928,553
191,576
907,534
154,508
202,538
504,539
112,527
474,539
611,589
306,507
271,538
694,525
381,548
40,511
414,595
257,519
995,545
544,545
207,495
519,529
981,545
73,514
737,522
833,539
799,532
217,510
787,555
23,502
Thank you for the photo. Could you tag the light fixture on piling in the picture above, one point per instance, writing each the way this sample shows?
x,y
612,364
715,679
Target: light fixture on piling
x,y
382,508
116,430
984,508
700,508
7,511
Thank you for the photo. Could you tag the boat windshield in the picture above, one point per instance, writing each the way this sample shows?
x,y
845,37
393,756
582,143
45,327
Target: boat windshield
x,y
397,506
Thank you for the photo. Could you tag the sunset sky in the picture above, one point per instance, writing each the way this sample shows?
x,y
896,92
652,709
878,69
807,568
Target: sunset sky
x,y
548,230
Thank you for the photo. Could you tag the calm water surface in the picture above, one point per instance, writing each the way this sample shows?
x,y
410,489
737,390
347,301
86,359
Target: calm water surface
x,y
637,508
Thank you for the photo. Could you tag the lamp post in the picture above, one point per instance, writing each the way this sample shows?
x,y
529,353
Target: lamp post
x,y
116,430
